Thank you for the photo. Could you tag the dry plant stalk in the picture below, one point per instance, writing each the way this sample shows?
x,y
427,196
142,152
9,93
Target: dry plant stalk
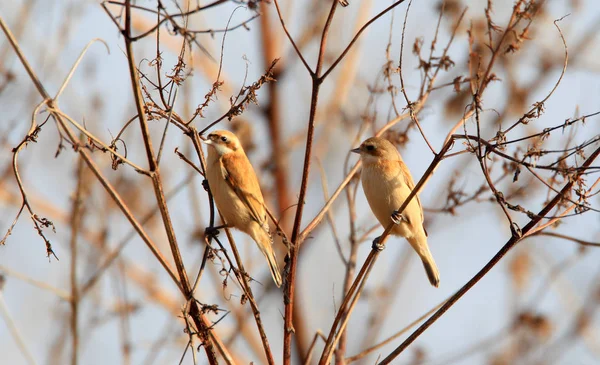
x,y
513,149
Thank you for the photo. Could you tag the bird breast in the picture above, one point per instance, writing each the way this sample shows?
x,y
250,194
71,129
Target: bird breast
x,y
234,211
386,189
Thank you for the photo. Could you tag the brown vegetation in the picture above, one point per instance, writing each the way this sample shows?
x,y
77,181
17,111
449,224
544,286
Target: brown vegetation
x,y
476,101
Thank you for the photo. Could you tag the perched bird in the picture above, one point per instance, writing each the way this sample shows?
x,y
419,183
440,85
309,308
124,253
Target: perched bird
x,y
387,183
237,194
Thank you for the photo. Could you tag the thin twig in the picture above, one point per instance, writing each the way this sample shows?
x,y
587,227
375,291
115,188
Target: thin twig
x,y
76,222
12,328
568,238
394,336
204,331
503,251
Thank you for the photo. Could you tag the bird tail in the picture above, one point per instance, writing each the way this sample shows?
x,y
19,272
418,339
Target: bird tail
x,y
419,243
265,244
272,261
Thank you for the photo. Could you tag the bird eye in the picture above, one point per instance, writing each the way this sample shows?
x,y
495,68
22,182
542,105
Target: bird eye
x,y
224,139
370,147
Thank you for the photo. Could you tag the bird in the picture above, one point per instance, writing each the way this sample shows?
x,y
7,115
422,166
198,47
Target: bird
x,y
387,183
236,191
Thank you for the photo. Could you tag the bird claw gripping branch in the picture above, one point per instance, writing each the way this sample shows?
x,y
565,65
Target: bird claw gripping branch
x,y
211,232
397,217
377,246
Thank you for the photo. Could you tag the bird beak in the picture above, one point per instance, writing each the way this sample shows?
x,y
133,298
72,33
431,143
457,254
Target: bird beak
x,y
356,150
204,139
207,141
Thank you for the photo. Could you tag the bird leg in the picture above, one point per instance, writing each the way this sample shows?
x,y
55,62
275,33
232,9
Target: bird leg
x,y
213,231
376,245
398,217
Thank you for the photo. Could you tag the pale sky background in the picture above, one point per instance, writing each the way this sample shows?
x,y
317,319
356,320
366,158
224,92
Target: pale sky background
x,y
461,244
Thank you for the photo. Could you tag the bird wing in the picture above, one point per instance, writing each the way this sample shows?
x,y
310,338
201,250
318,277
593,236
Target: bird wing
x,y
242,180
411,185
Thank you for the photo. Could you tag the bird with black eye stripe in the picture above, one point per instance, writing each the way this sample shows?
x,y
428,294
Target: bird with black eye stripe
x,y
387,183
237,194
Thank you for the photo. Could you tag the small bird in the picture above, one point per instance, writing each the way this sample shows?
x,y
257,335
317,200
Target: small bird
x,y
236,191
387,183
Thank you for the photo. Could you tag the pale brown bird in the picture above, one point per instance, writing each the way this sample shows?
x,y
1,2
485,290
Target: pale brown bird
x,y
236,191
387,183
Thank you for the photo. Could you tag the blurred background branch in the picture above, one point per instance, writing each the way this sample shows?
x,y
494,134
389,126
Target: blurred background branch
x,y
502,96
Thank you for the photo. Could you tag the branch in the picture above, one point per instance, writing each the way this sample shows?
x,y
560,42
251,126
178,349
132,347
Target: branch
x,y
204,329
469,285
292,257
357,35
240,273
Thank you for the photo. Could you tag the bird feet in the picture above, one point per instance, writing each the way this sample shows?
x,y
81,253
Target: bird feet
x,y
211,232
398,217
377,246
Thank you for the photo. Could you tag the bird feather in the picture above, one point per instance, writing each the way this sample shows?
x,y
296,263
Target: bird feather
x,y
245,176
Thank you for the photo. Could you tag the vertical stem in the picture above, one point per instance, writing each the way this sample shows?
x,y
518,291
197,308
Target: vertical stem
x,y
269,44
199,319
350,269
347,305
290,282
120,284
243,279
137,92
76,219
12,328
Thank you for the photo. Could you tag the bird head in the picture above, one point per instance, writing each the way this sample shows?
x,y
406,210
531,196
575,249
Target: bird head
x,y
223,142
376,149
